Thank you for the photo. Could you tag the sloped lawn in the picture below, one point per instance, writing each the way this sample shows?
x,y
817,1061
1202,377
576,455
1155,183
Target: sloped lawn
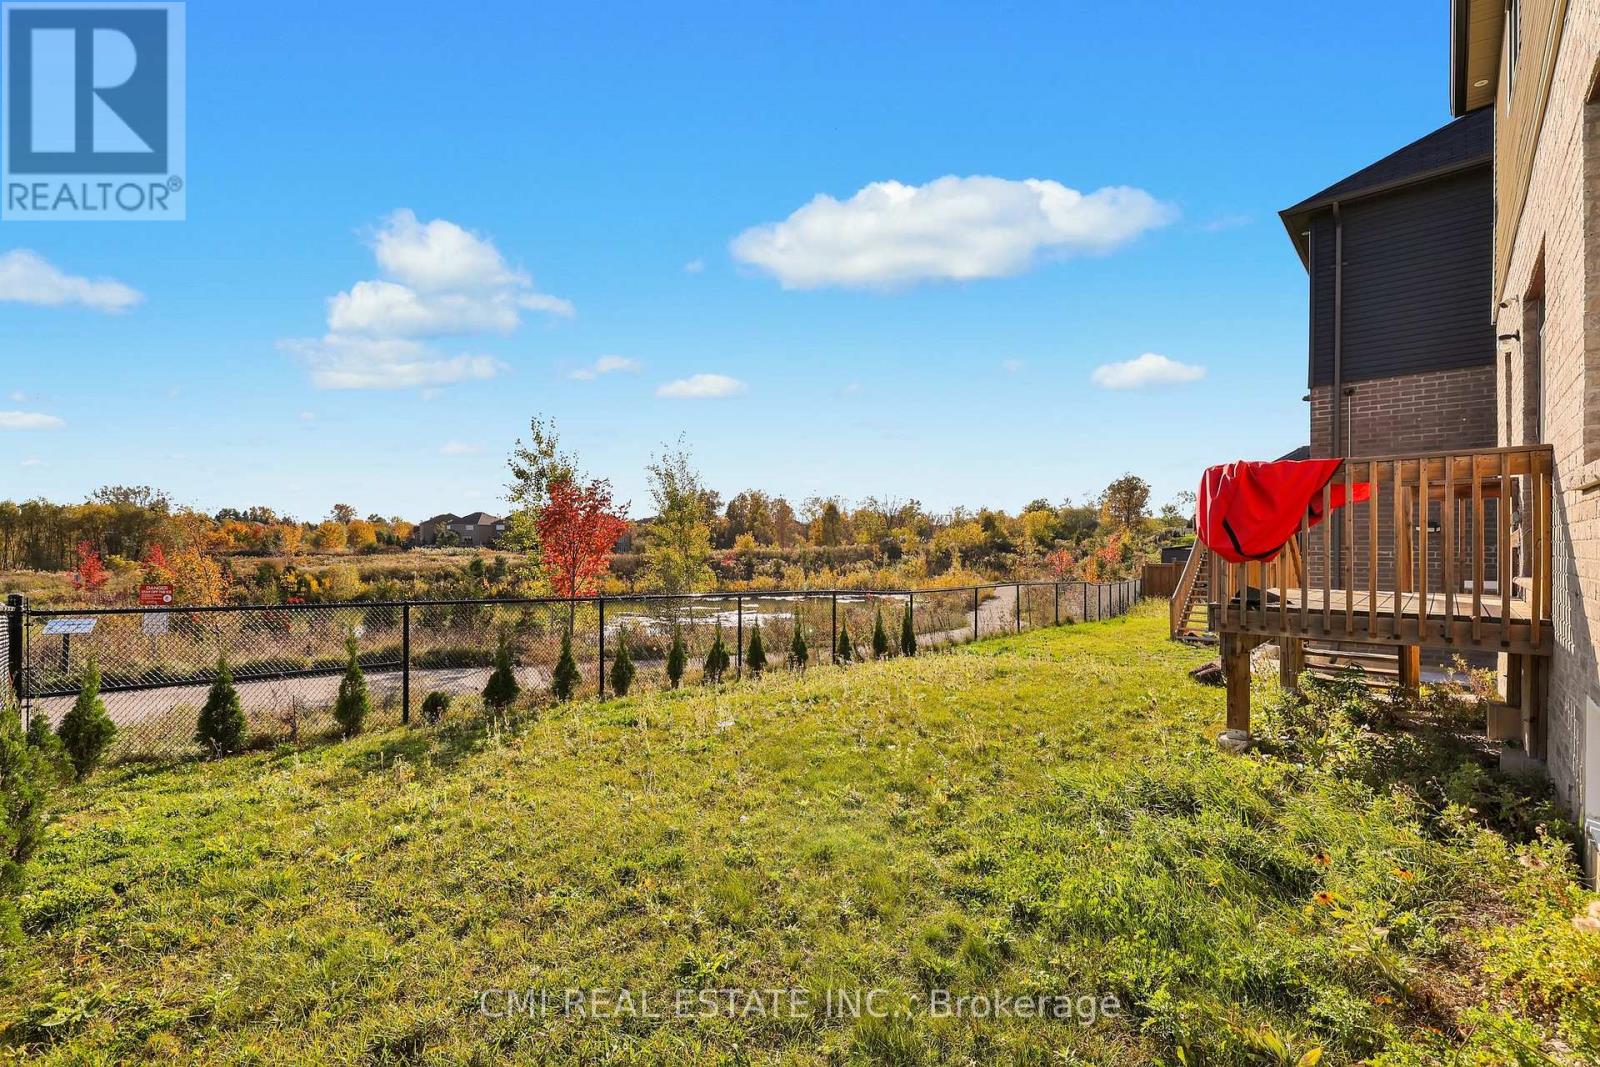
x,y
1035,817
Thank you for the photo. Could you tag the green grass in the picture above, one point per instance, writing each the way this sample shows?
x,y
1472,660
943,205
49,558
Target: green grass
x,y
1041,814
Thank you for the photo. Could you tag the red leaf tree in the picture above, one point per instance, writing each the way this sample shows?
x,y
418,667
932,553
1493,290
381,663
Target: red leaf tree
x,y
89,574
577,528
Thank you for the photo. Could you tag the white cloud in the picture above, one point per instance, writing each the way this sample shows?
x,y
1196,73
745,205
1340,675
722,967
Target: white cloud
x,y
604,365
28,278
701,387
339,361
32,461
694,266
29,420
890,234
439,256
308,416
459,448
440,280
1148,369
1011,366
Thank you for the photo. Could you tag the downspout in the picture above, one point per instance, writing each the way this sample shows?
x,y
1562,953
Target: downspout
x,y
1336,398
1338,331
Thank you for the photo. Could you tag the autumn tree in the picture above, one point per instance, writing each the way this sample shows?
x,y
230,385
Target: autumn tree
x,y
536,464
89,574
577,527
678,540
342,514
360,533
1125,501
329,536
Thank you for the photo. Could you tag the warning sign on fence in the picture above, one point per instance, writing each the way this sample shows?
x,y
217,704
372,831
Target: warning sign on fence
x,y
155,594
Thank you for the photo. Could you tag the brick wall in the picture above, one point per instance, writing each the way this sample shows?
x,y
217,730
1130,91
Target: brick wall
x,y
1404,415
1556,246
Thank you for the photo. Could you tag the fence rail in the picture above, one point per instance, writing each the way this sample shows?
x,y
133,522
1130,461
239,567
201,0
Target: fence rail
x,y
157,663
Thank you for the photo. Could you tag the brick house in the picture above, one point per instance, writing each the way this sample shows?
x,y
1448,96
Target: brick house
x,y
1536,63
1398,260
477,530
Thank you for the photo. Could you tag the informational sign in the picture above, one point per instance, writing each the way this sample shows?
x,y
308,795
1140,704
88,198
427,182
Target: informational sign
x,y
69,627
155,594
156,623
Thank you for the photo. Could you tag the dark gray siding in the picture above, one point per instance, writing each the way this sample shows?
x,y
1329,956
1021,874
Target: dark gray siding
x,y
1417,276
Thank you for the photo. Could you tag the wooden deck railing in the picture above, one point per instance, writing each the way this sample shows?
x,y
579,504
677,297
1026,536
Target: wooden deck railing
x,y
1450,549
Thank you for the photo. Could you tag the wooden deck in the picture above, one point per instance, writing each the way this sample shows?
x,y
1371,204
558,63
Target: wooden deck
x,y
1459,620
1425,560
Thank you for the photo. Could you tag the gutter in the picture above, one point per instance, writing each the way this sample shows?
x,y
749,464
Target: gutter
x,y
1458,56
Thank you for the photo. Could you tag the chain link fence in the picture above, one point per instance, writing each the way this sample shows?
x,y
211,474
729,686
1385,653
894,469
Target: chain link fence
x,y
156,665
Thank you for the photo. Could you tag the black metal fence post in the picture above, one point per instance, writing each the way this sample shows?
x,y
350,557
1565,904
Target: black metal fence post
x,y
1056,588
1018,606
974,613
600,670
833,639
16,605
738,642
405,664
911,613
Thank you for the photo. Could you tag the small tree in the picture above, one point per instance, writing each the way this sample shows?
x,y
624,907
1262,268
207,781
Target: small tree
x,y
844,648
677,657
87,730
434,707
23,777
354,703
564,680
908,632
52,757
716,659
798,652
755,660
622,669
880,636
501,690
221,727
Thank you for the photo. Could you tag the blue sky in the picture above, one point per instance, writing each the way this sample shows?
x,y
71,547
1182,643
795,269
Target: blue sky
x,y
936,341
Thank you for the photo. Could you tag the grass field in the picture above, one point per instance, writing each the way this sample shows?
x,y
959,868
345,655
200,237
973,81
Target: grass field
x,y
1036,816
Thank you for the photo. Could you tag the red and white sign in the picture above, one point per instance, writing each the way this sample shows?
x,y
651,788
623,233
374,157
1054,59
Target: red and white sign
x,y
155,594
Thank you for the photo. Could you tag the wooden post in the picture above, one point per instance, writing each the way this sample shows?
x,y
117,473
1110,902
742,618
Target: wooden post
x,y
1291,662
1235,650
1409,658
1533,718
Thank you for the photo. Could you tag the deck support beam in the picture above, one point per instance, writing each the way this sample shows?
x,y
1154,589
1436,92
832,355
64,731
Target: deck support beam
x,y
1533,698
1409,660
1291,663
1235,656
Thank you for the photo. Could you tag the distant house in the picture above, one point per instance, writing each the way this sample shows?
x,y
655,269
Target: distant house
x,y
477,530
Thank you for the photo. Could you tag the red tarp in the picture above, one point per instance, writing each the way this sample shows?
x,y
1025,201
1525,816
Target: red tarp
x,y
1248,511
